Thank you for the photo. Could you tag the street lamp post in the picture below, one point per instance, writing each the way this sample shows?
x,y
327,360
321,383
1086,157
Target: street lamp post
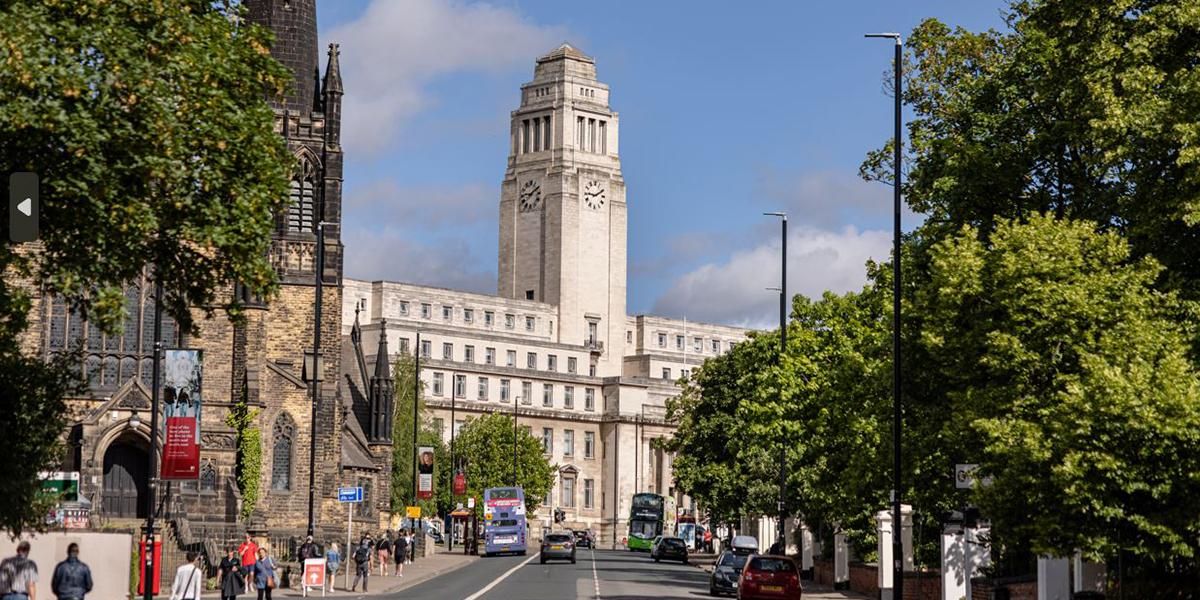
x,y
897,524
155,385
782,350
415,441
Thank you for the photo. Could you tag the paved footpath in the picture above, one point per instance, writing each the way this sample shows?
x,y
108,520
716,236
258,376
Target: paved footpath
x,y
424,569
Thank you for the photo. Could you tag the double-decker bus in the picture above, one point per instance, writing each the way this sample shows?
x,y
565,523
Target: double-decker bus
x,y
645,521
503,520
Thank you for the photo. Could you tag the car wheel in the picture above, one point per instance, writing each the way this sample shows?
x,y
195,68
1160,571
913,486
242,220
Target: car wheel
x,y
685,561
572,560
655,559
712,591
543,560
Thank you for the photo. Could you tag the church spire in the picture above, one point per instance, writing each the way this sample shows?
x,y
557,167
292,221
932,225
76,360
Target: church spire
x,y
294,23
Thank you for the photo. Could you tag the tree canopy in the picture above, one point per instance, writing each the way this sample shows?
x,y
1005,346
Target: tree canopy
x,y
484,449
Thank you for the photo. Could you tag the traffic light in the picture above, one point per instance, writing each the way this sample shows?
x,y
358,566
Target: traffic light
x,y
559,515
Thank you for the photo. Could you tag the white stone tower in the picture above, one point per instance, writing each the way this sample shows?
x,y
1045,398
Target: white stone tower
x,y
563,216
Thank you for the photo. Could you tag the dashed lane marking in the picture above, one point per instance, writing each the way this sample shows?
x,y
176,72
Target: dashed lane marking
x,y
497,581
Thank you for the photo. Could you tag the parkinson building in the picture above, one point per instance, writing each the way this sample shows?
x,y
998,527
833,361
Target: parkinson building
x,y
555,343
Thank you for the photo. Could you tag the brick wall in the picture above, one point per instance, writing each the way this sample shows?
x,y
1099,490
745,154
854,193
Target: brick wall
x,y
864,579
924,585
823,572
1019,588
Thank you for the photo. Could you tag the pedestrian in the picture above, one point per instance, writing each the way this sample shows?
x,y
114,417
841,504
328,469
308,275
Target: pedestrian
x,y
72,578
229,575
412,547
264,574
383,551
333,560
309,550
400,550
189,579
18,575
249,554
362,563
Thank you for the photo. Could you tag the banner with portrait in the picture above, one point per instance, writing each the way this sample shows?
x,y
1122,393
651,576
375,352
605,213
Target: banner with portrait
x,y
425,472
181,414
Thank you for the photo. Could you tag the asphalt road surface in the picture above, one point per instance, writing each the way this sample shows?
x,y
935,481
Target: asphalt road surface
x,y
606,574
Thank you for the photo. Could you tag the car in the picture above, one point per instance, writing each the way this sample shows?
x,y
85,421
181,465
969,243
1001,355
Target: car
x,y
583,539
725,574
558,546
769,577
670,548
744,544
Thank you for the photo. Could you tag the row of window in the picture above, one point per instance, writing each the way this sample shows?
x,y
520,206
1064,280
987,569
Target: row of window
x,y
567,493
489,356
568,442
483,391
535,135
684,373
469,314
591,135
714,345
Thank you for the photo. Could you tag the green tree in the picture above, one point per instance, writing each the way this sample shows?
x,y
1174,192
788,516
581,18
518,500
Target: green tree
x,y
148,125
484,446
408,390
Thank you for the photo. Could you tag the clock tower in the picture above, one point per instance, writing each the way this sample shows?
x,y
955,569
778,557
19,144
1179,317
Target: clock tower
x,y
562,206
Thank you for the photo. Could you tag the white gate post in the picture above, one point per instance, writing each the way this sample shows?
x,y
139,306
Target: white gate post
x,y
884,575
841,562
1053,578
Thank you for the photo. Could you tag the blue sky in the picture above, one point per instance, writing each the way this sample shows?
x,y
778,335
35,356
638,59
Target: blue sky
x,y
727,110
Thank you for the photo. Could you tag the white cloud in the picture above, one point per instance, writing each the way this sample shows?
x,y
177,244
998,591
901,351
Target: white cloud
x,y
384,202
395,49
829,199
734,291
393,255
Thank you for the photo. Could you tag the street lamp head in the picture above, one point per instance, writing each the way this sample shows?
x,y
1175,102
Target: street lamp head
x,y
776,214
894,36
774,289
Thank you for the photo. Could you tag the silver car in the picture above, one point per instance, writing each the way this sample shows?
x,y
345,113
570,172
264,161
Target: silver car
x,y
558,546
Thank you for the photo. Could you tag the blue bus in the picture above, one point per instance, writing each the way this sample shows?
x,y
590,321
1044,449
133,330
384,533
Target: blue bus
x,y
503,520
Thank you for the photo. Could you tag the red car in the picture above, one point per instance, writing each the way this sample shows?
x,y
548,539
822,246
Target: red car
x,y
769,578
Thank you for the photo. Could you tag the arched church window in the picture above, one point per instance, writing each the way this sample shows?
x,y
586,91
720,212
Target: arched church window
x,y
208,478
302,204
282,436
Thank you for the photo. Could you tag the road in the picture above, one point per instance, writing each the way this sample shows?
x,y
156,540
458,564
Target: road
x,y
605,574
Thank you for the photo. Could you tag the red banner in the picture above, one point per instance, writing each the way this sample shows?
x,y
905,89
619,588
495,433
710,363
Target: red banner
x,y
181,415
460,484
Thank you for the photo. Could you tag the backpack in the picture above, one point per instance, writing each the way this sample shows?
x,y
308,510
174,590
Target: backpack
x,y
362,554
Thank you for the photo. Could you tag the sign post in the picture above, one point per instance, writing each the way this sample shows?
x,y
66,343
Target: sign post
x,y
349,496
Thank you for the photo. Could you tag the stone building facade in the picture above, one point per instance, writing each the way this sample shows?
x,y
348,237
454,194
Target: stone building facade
x,y
555,344
259,362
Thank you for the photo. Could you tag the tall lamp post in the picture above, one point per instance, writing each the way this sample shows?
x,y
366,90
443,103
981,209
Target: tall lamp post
x,y
897,524
415,441
782,350
155,386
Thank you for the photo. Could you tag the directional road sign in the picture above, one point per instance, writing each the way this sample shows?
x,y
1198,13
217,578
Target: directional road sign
x,y
350,494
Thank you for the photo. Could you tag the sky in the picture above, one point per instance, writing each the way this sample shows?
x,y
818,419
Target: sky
x,y
727,110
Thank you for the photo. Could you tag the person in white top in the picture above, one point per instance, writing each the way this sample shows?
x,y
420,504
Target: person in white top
x,y
189,580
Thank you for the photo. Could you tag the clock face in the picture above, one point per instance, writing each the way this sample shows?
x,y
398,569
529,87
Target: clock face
x,y
593,195
531,195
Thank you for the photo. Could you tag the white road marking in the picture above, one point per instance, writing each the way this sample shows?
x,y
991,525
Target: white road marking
x,y
497,581
595,577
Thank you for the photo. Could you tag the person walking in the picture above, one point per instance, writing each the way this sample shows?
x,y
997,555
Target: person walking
x,y
400,550
229,575
18,576
189,579
362,563
383,551
309,550
412,546
249,554
264,574
72,578
333,560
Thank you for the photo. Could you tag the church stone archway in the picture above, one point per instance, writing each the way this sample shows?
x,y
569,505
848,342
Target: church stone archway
x,y
125,477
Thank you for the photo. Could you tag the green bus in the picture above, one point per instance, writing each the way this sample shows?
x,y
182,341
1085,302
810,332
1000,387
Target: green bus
x,y
645,521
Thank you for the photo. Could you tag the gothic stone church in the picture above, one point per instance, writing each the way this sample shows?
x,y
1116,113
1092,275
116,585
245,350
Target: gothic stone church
x,y
259,362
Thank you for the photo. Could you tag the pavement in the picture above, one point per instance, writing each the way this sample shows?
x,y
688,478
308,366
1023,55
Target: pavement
x,y
417,573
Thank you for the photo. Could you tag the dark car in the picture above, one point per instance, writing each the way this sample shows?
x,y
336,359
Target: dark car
x,y
670,548
769,578
583,539
558,546
726,572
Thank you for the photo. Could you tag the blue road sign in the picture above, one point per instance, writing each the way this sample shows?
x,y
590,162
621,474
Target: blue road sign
x,y
350,494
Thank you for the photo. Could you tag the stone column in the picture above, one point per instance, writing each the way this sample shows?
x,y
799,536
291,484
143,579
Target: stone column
x,y
1053,578
956,579
884,520
806,550
1088,576
841,562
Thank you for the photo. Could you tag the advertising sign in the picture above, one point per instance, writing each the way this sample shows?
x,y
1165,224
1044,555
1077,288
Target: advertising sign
x,y
181,409
425,472
412,512
460,484
314,572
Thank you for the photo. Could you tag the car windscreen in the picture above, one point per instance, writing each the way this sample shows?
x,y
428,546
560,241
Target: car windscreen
x,y
673,542
736,561
773,565
558,538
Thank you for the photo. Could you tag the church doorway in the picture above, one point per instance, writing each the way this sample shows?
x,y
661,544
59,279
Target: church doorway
x,y
125,478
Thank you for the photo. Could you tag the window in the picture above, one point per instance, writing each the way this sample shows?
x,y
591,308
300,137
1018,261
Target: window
x,y
504,383
448,351
568,443
511,358
666,373
460,386
469,315
589,487
489,356
545,133
628,337
684,373
569,396
679,342
572,364
589,399
579,132
537,134
531,360
458,425
552,363
716,346
282,435
526,392
547,440
592,333
698,344
592,370
208,478
403,345
483,388
426,311
469,354
591,135
529,323
510,321
568,492
301,200
426,348
547,394
367,507
404,307
489,318
603,137
447,313
437,384
589,444
662,340
529,294
525,136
